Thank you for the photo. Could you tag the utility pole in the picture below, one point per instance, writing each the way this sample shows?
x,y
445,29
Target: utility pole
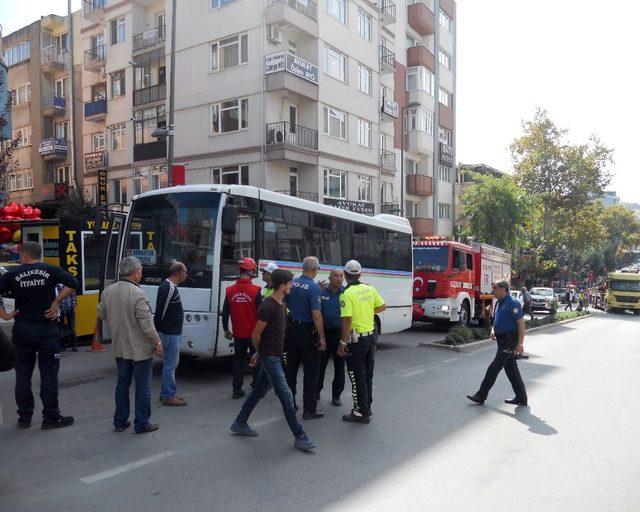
x,y
172,95
72,127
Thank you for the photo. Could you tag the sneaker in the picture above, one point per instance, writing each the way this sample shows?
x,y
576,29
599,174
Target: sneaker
x,y
24,422
238,394
126,425
242,429
355,418
312,415
303,443
151,427
62,421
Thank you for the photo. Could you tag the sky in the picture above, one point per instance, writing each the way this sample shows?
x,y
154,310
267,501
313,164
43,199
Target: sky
x,y
574,58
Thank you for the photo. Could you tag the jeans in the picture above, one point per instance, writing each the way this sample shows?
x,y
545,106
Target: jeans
x,y
332,336
69,318
170,360
301,346
240,347
272,372
505,358
360,362
141,371
42,340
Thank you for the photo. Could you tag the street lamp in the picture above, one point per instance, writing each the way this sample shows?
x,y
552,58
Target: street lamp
x,y
413,104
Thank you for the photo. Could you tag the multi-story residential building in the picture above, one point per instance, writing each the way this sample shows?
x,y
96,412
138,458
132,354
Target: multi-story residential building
x,y
39,60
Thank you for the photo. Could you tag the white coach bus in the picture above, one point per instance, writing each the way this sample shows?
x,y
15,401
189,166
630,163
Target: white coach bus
x,y
211,227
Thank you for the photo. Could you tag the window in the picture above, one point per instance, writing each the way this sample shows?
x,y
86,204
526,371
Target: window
x,y
445,59
145,123
335,184
419,119
420,78
444,136
140,180
445,97
335,123
117,83
216,4
444,211
62,87
62,42
230,116
159,177
293,47
118,136
97,141
23,136
117,30
335,64
413,209
233,175
445,21
364,24
63,174
21,95
364,79
18,53
364,133
229,52
338,10
364,188
20,180
444,173
119,188
413,166
62,130
412,41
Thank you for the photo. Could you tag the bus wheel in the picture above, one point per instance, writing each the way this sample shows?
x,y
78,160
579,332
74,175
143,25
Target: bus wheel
x,y
464,318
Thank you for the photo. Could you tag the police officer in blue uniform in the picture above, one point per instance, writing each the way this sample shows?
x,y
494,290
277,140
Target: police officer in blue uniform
x,y
305,336
508,331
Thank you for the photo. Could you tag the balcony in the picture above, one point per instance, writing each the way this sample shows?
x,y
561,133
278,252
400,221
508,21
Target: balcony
x,y
421,56
390,208
52,149
293,15
387,13
94,59
390,109
93,10
54,59
149,94
419,141
150,150
419,185
421,19
95,111
287,72
53,105
309,196
295,143
387,60
422,226
446,117
388,162
149,39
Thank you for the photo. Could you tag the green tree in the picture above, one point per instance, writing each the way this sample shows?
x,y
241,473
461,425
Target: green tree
x,y
622,232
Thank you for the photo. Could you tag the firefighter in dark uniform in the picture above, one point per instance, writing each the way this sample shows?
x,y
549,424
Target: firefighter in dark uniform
x,y
508,331
359,303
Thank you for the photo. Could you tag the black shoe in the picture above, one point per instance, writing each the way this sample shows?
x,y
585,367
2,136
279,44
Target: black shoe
x,y
337,402
24,422
238,394
354,418
62,421
477,399
126,425
312,415
151,427
515,401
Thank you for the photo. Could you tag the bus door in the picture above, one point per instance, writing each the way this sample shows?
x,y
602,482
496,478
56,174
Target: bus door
x,y
112,250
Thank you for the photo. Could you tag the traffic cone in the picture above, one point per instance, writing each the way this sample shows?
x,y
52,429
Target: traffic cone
x,y
96,346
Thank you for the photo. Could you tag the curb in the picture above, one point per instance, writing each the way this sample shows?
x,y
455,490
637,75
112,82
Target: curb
x,y
476,345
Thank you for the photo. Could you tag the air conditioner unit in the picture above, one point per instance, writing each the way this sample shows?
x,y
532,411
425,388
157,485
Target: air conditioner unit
x,y
273,34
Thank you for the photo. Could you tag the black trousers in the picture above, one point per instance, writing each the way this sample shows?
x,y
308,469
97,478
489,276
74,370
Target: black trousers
x,y
68,318
332,337
43,341
240,348
301,346
360,362
505,358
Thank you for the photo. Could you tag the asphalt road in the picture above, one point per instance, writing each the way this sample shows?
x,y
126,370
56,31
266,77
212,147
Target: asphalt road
x,y
575,448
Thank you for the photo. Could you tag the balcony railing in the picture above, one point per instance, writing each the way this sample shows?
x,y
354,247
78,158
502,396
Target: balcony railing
x,y
149,38
95,108
286,133
53,149
419,185
388,12
150,150
309,8
387,57
149,94
53,104
93,9
53,58
309,196
388,161
94,58
390,208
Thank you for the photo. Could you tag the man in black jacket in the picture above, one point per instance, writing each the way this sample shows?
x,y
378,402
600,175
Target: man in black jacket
x,y
168,322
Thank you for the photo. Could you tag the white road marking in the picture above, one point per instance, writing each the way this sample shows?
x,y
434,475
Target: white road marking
x,y
449,360
267,421
125,467
413,373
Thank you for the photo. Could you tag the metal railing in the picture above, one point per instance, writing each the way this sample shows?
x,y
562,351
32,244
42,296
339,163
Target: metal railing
x,y
309,196
94,108
387,56
91,6
309,8
149,38
389,8
286,133
52,55
148,94
390,208
95,57
54,101
388,160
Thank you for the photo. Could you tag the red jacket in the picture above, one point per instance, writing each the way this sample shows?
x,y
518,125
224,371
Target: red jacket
x,y
241,304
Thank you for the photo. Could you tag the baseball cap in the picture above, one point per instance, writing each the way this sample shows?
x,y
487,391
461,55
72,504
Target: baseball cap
x,y
353,267
270,267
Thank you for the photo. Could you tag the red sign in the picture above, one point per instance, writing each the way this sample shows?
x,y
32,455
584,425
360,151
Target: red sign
x,y
178,175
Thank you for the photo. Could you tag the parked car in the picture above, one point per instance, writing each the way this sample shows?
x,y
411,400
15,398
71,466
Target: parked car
x,y
543,299
518,296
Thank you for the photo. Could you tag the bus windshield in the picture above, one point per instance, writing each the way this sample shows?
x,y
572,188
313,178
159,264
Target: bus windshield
x,y
177,226
625,286
431,258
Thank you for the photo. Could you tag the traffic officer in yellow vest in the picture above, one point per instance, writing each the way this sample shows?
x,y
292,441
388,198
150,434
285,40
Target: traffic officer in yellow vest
x,y
359,303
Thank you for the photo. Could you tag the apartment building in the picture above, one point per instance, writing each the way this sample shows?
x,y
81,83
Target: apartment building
x,y
39,61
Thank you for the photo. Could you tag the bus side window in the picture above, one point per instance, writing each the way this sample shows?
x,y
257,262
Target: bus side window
x,y
238,245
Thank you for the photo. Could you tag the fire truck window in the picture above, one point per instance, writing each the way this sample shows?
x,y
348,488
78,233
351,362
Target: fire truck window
x,y
458,260
469,261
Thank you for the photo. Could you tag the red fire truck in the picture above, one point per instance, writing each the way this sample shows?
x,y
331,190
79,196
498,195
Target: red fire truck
x,y
452,281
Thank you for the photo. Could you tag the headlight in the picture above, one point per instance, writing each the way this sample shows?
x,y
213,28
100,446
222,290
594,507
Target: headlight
x,y
188,318
197,318
444,309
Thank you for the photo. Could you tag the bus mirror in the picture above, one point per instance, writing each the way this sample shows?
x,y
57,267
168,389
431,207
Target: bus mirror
x,y
97,226
229,216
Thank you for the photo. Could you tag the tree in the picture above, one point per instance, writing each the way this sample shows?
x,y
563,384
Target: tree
x,y
76,206
622,230
8,161
496,211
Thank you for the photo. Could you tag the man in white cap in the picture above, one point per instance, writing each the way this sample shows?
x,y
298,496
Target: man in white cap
x,y
269,269
359,303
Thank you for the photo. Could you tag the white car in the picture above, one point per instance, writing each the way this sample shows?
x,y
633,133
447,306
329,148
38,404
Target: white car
x,y
518,296
9,304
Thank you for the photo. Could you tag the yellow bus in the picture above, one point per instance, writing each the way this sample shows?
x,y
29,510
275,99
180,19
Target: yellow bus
x,y
623,292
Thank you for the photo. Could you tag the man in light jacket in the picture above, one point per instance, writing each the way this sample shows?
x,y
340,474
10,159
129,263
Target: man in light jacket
x,y
126,309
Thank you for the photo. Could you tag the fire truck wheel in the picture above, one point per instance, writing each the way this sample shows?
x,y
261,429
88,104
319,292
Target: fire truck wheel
x,y
464,314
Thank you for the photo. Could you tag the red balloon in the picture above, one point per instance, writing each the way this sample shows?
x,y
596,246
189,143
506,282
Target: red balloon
x,y
27,212
12,209
37,212
5,234
21,209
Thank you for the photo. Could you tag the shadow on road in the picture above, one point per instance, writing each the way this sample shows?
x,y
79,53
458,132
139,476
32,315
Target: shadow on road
x,y
524,415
